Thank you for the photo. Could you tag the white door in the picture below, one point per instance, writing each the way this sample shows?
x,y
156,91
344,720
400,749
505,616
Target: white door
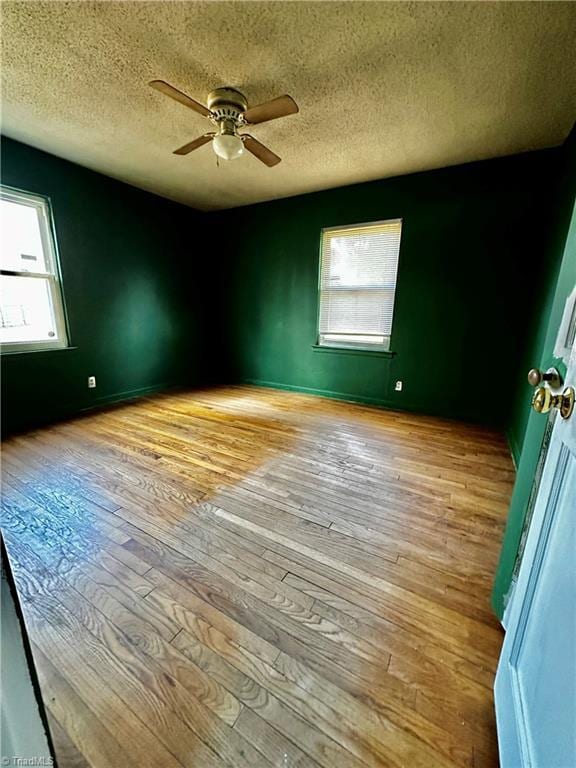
x,y
535,687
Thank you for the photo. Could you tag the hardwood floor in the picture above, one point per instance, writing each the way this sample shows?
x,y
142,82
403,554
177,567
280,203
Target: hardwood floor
x,y
243,577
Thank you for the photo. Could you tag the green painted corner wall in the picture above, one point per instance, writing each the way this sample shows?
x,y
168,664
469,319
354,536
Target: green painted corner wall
x,y
133,299
526,428
459,324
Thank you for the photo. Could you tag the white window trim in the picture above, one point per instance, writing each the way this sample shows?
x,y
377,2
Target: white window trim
x,y
342,345
52,275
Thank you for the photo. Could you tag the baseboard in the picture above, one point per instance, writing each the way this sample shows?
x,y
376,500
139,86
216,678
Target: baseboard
x,y
361,400
344,396
81,409
130,394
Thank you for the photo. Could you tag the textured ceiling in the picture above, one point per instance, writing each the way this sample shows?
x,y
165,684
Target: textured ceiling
x,y
384,88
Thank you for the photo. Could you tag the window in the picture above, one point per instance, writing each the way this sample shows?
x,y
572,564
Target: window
x,y
31,308
357,284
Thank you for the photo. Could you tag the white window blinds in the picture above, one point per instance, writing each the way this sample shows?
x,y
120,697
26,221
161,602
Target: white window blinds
x,y
357,284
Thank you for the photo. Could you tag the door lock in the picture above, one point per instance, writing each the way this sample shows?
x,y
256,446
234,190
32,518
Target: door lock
x,y
544,400
552,376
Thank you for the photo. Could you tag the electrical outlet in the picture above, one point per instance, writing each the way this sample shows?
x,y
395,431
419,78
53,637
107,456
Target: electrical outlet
x,y
91,382
398,386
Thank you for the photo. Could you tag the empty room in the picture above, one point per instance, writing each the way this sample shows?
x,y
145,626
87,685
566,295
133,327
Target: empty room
x,y
288,367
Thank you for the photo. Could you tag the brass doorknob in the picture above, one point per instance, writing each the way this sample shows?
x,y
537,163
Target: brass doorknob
x,y
566,402
544,400
552,376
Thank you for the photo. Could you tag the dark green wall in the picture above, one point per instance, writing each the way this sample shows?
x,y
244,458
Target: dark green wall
x,y
537,322
481,285
526,428
132,291
468,275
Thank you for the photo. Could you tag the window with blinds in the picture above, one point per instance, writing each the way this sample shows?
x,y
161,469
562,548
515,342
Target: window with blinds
x,y
358,283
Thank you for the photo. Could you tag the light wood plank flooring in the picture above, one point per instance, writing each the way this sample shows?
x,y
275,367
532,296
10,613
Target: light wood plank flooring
x,y
243,577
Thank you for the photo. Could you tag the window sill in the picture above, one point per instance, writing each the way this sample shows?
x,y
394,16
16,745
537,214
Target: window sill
x,y
353,351
17,352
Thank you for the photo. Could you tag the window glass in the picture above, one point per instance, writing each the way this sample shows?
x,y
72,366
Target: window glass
x,y
31,305
22,248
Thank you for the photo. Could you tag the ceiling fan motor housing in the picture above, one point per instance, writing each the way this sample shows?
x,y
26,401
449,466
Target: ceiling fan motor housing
x,y
228,105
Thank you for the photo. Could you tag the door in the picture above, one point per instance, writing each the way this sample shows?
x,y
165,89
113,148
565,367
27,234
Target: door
x,y
535,687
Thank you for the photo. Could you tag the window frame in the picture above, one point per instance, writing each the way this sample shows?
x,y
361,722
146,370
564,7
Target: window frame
x,y
376,349
53,274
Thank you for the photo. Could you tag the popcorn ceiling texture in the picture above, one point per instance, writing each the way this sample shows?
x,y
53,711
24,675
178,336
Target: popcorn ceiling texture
x,y
384,88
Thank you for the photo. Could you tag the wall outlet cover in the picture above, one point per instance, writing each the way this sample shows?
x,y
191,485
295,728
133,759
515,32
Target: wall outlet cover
x,y
91,382
398,386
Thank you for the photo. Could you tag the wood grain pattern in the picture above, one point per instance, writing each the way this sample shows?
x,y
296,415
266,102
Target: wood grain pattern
x,y
244,577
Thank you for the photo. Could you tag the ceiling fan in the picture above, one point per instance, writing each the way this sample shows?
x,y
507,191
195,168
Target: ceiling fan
x,y
228,110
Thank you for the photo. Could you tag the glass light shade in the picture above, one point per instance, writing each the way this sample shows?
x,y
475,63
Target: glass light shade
x,y
228,147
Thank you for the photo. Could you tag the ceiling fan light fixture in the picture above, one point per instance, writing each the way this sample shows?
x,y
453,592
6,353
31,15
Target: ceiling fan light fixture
x,y
228,146
228,111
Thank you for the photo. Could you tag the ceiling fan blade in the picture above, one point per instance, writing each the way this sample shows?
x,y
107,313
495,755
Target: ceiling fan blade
x,y
263,154
192,145
174,93
271,110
